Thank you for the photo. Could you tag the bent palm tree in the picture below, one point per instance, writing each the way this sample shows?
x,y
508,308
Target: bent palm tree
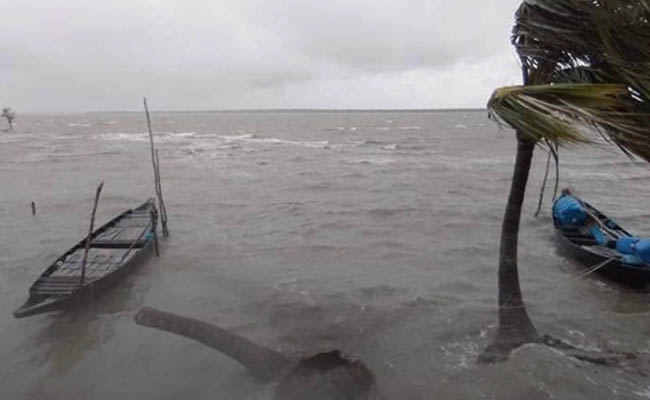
x,y
586,69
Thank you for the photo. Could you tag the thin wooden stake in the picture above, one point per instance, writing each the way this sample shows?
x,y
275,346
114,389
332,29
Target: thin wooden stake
x,y
90,232
33,208
154,219
163,209
155,162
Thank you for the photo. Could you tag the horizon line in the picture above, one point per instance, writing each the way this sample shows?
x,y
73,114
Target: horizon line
x,y
245,110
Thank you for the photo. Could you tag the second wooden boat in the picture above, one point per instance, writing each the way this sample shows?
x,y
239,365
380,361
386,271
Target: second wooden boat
x,y
594,239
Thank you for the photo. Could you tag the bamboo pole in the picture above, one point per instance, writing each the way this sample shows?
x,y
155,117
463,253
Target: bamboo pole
x,y
161,201
33,208
155,162
90,232
154,219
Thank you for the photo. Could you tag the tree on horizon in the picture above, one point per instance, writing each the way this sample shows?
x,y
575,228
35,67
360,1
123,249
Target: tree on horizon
x,y
586,74
9,115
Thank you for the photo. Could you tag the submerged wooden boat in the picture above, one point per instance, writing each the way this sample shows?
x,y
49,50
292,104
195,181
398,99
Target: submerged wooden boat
x,y
603,246
115,248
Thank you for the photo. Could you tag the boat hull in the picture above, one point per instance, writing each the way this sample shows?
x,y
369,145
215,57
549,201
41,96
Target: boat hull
x,y
131,255
86,293
580,244
614,270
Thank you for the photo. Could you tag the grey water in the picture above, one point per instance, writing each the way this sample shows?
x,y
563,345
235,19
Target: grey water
x,y
371,232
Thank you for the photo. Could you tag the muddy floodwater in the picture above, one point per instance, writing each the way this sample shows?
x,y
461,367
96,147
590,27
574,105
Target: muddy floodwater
x,y
375,233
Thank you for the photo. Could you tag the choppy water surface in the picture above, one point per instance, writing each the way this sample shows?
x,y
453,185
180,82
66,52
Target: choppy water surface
x,y
372,232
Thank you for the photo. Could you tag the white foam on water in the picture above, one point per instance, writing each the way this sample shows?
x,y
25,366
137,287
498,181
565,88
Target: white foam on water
x,y
644,393
123,136
253,139
79,124
410,128
469,163
67,137
460,126
462,355
21,138
183,134
227,138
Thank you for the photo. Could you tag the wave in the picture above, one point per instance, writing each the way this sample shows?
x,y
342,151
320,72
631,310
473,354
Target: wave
x,y
410,128
20,138
182,134
641,177
80,154
144,136
255,139
376,142
79,124
123,136
39,157
465,163
599,162
388,212
370,161
415,147
644,393
244,136
378,292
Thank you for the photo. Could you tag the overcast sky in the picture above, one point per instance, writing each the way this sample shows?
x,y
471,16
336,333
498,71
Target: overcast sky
x,y
93,55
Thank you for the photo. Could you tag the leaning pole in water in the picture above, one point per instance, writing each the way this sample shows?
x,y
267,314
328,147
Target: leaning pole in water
x,y
90,232
155,161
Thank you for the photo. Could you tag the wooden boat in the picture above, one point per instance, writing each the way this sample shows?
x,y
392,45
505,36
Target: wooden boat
x,y
115,249
580,243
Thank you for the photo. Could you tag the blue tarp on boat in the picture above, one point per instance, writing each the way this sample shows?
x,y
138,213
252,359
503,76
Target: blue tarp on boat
x,y
569,212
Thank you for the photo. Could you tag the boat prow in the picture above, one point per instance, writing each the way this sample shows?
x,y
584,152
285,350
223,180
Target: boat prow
x,y
35,306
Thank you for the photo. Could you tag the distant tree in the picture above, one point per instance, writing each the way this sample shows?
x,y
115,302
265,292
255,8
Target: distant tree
x,y
10,116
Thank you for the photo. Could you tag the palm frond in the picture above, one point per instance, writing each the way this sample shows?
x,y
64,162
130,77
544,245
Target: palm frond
x,y
573,113
611,37
588,64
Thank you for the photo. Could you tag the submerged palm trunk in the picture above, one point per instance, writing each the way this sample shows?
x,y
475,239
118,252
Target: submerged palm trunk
x,y
515,327
324,376
263,362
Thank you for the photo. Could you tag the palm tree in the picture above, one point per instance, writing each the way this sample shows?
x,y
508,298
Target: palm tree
x,y
586,72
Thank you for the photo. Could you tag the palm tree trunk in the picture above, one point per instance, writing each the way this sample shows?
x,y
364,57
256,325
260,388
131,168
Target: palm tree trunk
x,y
261,361
515,327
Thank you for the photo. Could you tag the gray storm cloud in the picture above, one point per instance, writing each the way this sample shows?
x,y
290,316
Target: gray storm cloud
x,y
72,55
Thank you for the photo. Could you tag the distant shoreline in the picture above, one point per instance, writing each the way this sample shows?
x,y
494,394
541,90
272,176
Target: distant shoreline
x,y
269,110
